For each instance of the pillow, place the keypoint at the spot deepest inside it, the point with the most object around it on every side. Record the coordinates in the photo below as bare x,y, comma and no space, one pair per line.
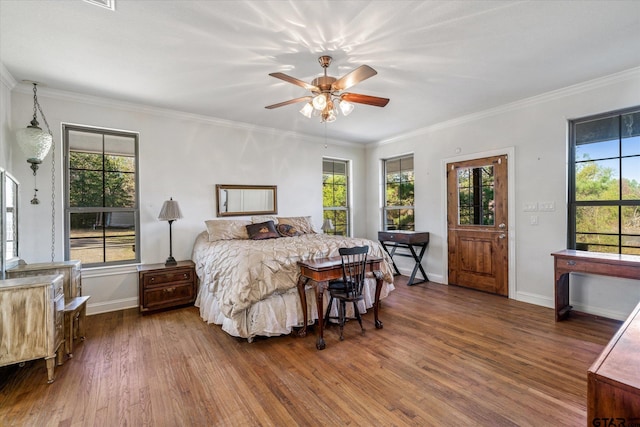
264,218
229,229
263,230
301,223
286,230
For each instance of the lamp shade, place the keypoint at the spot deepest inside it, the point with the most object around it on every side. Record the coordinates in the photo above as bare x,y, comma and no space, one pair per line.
170,211
34,142
327,225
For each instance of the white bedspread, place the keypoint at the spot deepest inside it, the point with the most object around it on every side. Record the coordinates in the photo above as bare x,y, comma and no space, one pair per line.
249,286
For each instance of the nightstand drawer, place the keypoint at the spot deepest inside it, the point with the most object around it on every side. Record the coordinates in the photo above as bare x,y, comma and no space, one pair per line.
164,277
168,296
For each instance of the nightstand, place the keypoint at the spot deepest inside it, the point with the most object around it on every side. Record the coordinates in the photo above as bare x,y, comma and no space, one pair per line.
163,286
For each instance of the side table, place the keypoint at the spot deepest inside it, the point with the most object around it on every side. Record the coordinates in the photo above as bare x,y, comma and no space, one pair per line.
409,240
166,286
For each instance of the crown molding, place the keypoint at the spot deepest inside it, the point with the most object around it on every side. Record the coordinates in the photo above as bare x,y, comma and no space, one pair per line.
6,78
633,73
97,101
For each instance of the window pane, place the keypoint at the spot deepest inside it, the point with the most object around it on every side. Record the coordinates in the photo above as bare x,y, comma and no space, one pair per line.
119,190
120,246
631,178
605,129
597,243
597,180
598,150
85,188
335,194
597,219
630,129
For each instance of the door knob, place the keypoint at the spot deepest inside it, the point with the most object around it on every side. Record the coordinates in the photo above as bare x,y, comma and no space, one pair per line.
502,225
502,236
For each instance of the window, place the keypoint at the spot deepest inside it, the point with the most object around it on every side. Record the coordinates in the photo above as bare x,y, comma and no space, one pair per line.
604,183
335,195
398,208
101,198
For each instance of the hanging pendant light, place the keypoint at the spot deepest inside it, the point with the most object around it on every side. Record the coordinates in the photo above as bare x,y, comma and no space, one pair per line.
33,141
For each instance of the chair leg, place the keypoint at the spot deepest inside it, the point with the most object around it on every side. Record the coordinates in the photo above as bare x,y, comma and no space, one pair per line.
343,317
357,312
326,315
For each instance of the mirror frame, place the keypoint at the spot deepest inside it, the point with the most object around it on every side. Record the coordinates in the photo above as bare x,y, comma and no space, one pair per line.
221,187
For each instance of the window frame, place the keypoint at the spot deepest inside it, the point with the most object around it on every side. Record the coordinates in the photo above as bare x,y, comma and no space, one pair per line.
68,210
573,204
333,209
385,207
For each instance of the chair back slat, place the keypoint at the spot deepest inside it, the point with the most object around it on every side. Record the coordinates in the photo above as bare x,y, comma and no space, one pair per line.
354,264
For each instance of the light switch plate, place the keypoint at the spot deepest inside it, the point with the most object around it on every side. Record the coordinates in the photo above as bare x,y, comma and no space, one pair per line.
547,206
530,206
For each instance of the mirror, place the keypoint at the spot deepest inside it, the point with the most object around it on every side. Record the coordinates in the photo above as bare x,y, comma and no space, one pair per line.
237,200
8,220
476,205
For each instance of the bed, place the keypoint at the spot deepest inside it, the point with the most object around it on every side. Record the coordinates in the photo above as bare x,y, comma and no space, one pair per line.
248,283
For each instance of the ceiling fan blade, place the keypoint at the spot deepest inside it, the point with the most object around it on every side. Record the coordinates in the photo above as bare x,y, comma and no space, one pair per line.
361,73
365,99
291,101
295,81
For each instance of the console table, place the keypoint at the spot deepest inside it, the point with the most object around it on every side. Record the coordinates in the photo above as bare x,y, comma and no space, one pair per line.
409,240
572,261
320,271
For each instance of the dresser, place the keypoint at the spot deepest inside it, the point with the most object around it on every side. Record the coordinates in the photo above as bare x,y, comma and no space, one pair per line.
75,304
162,286
31,320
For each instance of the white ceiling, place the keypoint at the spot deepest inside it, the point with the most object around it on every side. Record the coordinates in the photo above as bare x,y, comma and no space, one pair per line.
436,60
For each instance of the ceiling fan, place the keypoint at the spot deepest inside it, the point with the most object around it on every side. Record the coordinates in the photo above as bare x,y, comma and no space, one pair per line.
327,92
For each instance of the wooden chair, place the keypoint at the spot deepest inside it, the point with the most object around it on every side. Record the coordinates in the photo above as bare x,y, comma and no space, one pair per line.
349,289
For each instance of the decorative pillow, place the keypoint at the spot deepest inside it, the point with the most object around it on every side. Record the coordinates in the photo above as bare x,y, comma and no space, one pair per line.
302,224
264,218
231,229
286,230
263,230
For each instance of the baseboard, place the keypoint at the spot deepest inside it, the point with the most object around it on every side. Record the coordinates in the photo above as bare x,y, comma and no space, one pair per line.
436,278
535,299
115,305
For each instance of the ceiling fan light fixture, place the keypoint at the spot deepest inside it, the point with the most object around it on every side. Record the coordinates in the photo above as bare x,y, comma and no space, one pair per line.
346,107
320,102
307,110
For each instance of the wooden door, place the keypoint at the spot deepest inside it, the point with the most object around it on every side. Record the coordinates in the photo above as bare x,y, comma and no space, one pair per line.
478,230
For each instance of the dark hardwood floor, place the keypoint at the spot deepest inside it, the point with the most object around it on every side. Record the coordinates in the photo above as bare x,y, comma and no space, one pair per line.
446,356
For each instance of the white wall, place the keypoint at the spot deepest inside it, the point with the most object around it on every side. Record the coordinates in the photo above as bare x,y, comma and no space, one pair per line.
6,84
537,129
181,156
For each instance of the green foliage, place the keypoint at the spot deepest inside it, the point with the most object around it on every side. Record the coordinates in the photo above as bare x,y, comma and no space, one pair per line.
101,181
602,224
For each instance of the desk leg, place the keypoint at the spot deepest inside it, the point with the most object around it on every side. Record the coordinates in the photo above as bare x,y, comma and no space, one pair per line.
320,287
397,272
302,282
562,296
376,302
418,259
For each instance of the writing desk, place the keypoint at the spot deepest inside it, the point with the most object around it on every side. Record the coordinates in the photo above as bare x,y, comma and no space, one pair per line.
571,261
409,240
319,272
